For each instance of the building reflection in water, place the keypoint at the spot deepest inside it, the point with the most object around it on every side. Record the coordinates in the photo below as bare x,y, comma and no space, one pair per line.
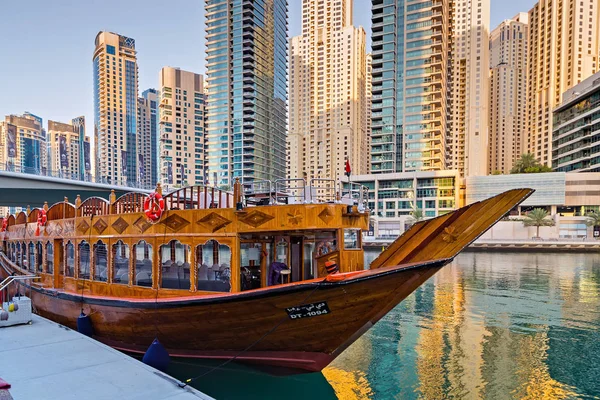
490,325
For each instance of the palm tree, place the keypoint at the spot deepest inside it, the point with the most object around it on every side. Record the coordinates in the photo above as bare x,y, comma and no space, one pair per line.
525,161
593,219
416,215
538,217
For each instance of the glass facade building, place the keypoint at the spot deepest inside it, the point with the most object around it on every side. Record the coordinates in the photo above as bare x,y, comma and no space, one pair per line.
247,89
394,196
23,146
576,134
115,108
410,42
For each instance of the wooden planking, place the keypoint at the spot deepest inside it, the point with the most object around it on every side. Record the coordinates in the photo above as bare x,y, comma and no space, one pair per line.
466,224
400,247
237,324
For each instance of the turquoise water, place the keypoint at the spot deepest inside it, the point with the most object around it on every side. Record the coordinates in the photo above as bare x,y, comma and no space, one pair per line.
490,325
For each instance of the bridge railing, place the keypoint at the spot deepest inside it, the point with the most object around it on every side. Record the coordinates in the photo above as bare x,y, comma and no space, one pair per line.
9,167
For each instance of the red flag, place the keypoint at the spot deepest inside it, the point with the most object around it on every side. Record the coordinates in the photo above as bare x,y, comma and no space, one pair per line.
348,169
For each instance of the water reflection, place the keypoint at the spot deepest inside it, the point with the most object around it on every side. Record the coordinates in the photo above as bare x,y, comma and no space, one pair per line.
490,325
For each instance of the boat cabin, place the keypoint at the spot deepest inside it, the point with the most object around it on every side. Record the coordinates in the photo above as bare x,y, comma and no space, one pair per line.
205,240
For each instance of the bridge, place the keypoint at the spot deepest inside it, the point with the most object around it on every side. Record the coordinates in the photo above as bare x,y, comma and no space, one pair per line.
18,189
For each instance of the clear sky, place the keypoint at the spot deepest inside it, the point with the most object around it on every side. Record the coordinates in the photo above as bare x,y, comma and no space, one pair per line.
46,46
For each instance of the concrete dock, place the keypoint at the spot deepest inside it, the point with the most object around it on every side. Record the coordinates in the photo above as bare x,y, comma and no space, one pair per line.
45,360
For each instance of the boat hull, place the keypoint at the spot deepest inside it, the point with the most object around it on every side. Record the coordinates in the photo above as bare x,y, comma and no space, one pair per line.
251,326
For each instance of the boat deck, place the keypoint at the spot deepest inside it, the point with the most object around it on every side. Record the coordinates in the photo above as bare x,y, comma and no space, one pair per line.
45,360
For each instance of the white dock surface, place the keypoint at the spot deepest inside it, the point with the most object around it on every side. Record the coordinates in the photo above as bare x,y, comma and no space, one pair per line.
47,361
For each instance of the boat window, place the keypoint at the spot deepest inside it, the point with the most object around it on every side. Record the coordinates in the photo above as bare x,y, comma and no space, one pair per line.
14,253
175,268
70,262
49,258
84,260
100,262
31,254
143,263
251,261
309,269
351,239
40,255
213,261
23,261
120,253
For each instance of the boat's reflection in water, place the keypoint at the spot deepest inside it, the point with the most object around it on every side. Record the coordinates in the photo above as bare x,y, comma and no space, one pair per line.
239,381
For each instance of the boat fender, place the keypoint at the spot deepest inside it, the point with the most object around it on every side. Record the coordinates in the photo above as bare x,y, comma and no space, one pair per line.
84,325
3,315
12,307
157,356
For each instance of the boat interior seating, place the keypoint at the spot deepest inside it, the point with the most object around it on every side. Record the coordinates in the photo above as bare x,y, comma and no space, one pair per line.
175,275
214,278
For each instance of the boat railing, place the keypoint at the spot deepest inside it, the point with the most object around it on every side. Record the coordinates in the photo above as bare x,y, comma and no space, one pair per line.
13,278
129,203
291,191
323,190
4,285
353,193
257,191
198,198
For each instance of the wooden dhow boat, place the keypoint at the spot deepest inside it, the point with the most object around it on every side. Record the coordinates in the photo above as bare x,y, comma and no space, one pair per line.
221,275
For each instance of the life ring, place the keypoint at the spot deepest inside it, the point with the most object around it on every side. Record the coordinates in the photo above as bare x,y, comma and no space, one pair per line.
42,219
154,205
4,224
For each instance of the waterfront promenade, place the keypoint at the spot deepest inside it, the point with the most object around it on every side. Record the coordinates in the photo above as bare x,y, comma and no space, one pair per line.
532,245
45,360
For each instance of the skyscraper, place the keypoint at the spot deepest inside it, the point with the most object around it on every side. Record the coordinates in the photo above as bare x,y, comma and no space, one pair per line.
144,143
369,90
22,144
69,149
150,97
564,50
469,87
247,89
115,108
328,104
508,93
182,128
410,47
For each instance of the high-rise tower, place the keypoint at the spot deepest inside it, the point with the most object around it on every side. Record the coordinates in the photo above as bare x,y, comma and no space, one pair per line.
328,102
23,144
508,93
469,88
564,50
150,103
411,42
247,89
182,128
115,108
69,149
